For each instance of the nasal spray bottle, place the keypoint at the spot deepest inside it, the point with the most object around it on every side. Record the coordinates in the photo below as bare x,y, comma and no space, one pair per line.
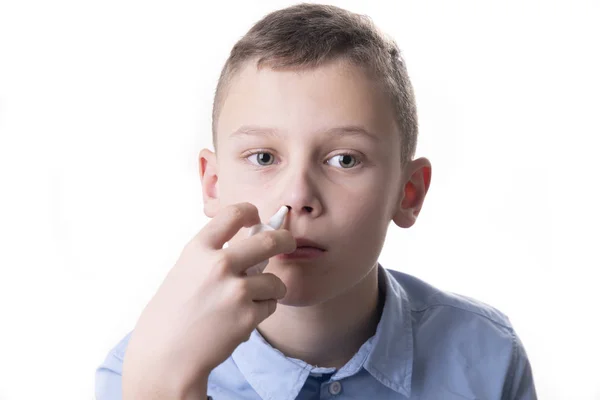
275,222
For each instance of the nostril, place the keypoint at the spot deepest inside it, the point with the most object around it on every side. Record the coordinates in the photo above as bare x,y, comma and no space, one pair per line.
305,208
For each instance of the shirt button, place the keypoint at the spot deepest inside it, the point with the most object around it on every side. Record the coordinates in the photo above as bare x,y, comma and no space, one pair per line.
335,388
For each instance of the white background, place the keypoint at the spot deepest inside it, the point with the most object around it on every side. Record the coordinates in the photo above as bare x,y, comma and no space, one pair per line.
105,105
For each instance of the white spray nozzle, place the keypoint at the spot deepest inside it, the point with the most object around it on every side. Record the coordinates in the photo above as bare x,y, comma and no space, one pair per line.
275,222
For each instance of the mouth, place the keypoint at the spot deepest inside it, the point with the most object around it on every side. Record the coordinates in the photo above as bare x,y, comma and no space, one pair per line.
303,243
306,249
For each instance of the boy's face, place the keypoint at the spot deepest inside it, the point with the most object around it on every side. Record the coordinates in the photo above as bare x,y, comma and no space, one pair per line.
323,141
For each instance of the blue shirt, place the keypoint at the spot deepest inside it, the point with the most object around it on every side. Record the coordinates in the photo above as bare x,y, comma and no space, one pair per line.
429,345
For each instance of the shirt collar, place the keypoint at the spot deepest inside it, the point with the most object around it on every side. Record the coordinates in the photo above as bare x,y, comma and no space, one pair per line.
387,356
270,373
391,359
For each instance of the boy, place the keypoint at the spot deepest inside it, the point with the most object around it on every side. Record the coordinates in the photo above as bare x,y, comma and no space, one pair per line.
314,110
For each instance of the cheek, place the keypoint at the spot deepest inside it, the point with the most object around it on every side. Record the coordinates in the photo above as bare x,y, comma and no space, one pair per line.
364,220
370,200
236,186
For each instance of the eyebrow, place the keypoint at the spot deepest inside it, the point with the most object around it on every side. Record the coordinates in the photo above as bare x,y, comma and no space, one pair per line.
339,131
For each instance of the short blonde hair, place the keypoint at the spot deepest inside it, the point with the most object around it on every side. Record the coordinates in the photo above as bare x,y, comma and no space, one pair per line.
309,35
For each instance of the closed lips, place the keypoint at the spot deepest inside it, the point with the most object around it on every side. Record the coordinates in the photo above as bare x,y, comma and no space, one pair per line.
302,242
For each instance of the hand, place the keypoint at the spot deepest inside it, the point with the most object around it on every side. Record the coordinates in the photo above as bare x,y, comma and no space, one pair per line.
204,309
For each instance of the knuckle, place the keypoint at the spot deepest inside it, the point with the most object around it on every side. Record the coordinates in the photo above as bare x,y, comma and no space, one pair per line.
222,264
242,288
268,241
236,212
238,291
249,207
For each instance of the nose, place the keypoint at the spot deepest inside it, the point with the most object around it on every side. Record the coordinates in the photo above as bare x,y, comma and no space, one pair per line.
301,194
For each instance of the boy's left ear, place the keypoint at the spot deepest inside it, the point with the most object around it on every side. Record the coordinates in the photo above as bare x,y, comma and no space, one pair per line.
415,184
209,176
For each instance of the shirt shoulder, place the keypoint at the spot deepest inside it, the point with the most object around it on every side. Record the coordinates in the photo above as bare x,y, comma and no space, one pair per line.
460,342
422,296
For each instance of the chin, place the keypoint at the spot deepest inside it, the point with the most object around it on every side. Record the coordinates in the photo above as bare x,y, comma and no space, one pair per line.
299,300
304,287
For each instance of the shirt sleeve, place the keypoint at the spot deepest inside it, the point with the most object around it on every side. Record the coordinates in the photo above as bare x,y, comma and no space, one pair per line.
519,384
108,375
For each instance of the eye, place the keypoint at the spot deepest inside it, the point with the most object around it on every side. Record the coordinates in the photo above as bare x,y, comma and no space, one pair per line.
344,161
261,158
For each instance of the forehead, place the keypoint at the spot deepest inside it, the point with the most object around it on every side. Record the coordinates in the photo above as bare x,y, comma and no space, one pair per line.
298,101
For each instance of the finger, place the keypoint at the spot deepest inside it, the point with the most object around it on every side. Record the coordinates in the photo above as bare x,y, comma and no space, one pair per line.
265,287
260,247
264,309
227,223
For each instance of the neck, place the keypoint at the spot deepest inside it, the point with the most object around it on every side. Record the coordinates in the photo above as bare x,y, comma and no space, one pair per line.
330,333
